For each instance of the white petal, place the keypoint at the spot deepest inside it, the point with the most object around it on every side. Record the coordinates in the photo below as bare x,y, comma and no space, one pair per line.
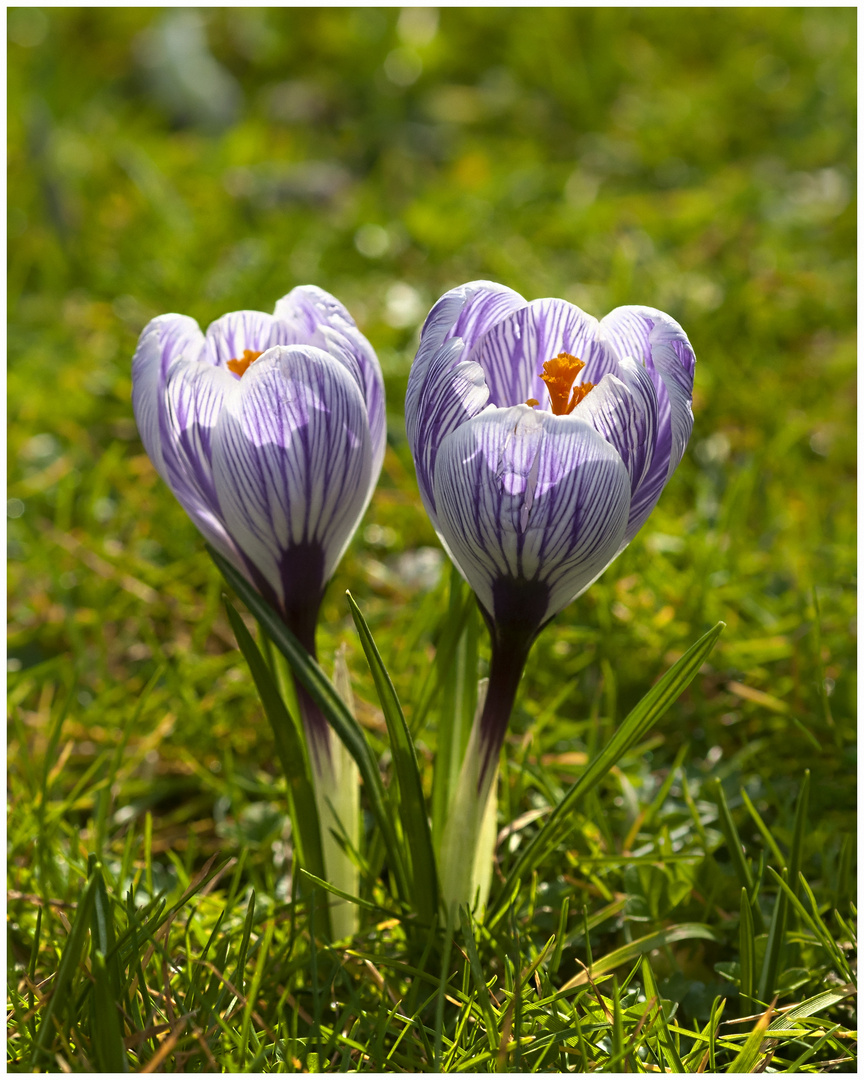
292,460
528,497
656,341
162,341
452,393
464,314
229,336
623,409
320,319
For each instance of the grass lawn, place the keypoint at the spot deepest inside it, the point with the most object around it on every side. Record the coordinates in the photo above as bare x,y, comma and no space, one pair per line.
701,161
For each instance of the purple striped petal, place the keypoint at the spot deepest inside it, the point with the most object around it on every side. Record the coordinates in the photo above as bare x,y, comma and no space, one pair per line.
443,391
292,467
195,395
453,393
227,338
658,343
169,350
163,340
623,409
463,314
307,308
530,499
319,319
512,353
486,304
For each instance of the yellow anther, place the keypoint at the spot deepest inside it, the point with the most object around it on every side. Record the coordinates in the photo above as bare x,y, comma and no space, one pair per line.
239,366
559,374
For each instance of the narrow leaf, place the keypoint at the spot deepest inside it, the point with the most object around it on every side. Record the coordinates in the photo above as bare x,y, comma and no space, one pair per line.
289,747
637,724
733,840
798,832
763,829
814,921
635,949
325,696
477,977
651,991
773,949
72,951
342,895
107,1035
749,1052
456,672
415,823
812,1006
102,928
746,947
461,606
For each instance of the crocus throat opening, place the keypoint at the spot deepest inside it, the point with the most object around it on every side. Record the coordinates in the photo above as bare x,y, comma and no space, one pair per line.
559,374
239,366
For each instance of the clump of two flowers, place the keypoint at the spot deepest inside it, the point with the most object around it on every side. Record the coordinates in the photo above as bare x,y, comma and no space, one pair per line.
542,440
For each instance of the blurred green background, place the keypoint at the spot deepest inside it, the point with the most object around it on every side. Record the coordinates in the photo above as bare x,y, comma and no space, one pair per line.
701,161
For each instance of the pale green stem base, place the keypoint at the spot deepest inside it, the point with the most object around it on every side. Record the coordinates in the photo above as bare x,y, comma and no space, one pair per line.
337,797
468,841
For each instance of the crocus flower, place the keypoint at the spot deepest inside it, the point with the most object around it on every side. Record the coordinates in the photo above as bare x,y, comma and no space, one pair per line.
542,440
270,431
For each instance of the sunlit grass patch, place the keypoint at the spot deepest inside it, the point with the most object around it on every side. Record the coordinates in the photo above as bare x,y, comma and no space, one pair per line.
700,909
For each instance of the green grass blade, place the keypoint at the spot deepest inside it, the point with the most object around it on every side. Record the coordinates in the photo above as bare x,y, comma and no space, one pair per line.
811,1007
72,952
748,1055
763,829
415,821
106,1033
31,969
713,1027
252,995
842,876
456,673
102,928
733,840
342,895
774,947
239,971
563,915
635,726
626,954
462,604
814,921
668,1043
441,992
332,706
795,1067
477,978
289,746
798,832
746,947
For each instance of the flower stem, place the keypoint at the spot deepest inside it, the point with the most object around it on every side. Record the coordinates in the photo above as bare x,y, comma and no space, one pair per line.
509,653
467,844
302,621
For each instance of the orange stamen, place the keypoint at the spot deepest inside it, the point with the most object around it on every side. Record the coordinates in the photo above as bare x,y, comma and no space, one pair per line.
559,374
239,366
